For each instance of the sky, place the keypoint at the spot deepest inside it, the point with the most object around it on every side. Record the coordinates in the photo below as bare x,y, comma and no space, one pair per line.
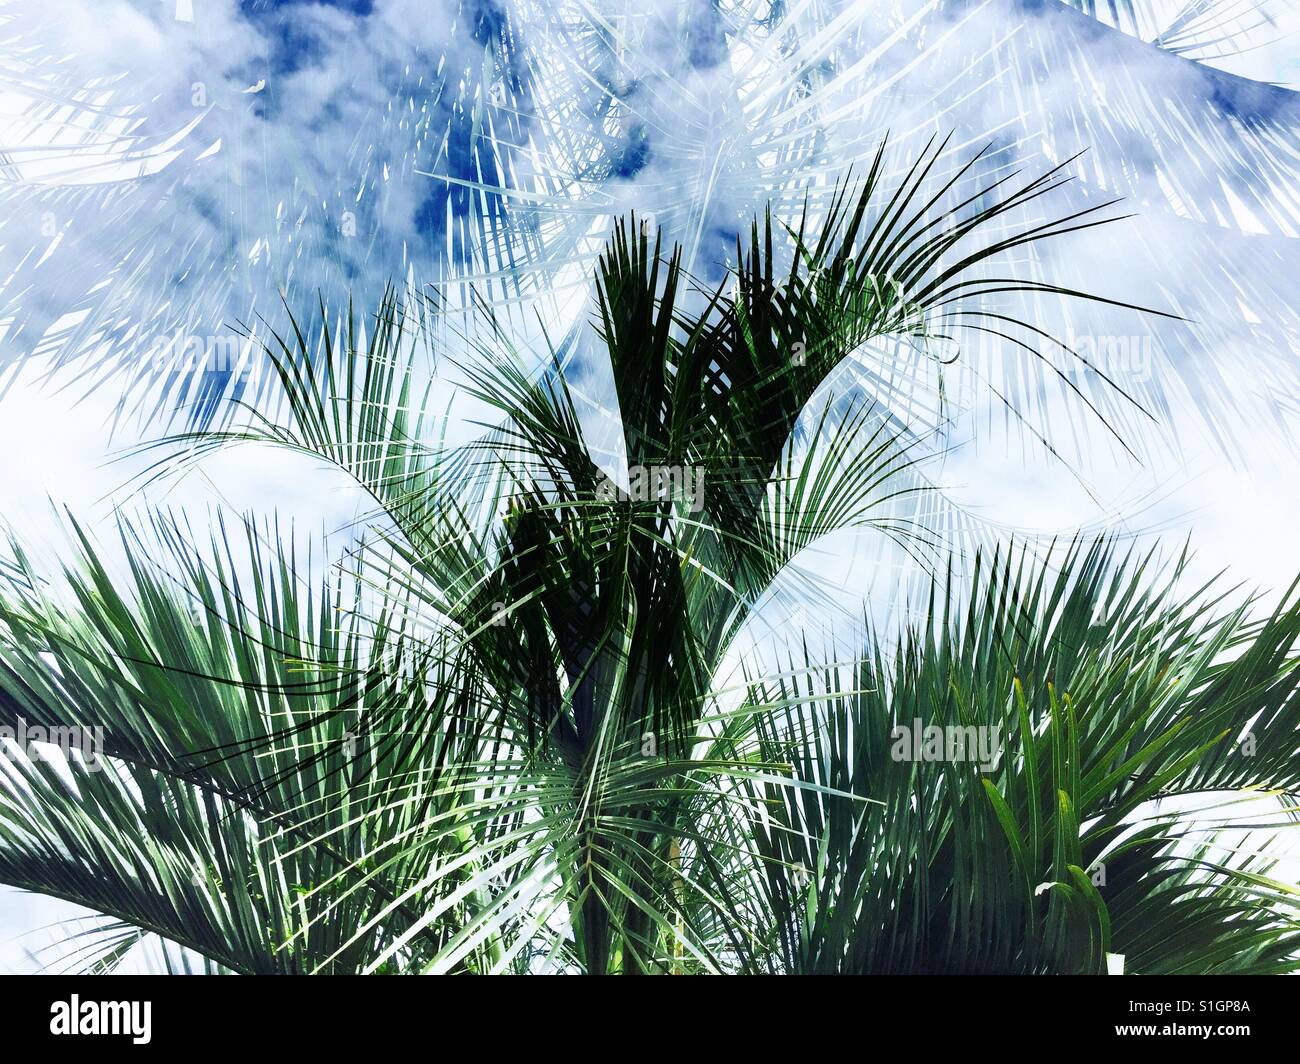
172,169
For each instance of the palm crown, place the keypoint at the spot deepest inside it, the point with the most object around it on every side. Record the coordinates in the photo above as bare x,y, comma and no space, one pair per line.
515,729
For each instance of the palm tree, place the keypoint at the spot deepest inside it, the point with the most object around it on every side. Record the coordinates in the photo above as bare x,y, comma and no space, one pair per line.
518,727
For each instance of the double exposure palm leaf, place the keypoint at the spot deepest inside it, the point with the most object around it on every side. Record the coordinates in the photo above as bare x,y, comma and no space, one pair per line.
496,151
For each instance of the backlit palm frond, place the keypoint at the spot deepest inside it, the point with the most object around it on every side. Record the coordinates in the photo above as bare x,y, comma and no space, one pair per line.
255,730
1098,692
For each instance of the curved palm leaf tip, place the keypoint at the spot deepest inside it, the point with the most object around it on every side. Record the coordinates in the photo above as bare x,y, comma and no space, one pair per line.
501,741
